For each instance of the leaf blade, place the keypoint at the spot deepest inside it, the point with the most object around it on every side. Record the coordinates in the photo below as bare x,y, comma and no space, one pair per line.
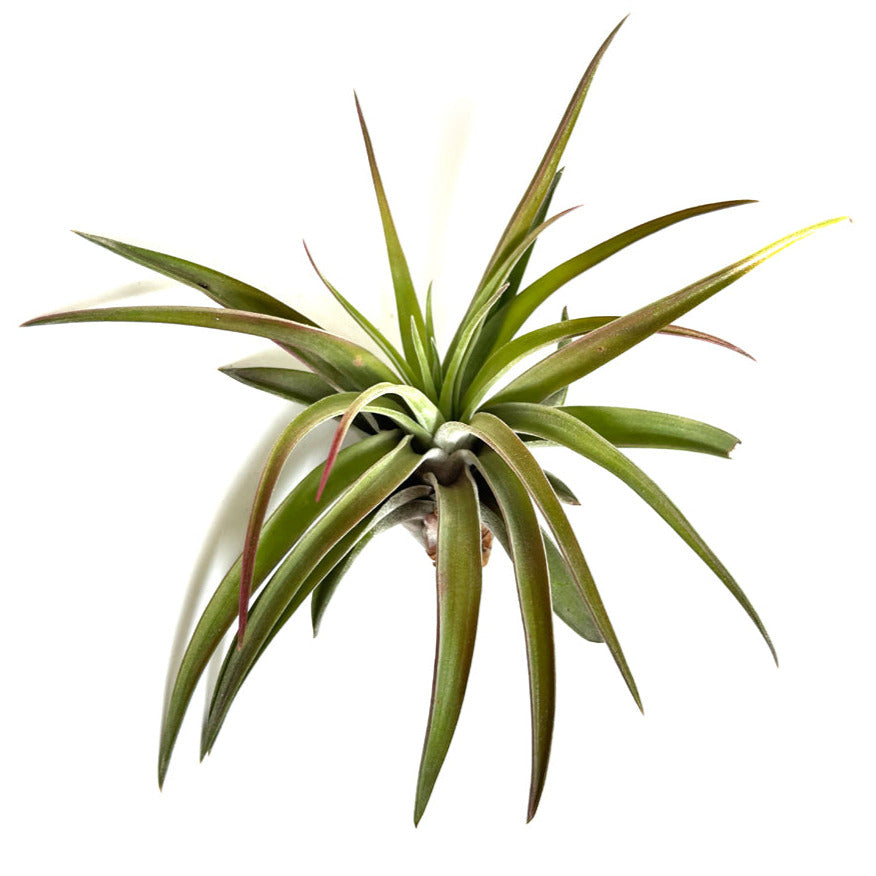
349,365
534,597
604,344
223,289
458,584
407,305
525,304
495,433
291,518
557,425
360,499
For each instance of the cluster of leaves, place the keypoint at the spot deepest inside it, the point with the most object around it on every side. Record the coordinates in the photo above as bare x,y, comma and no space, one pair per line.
442,452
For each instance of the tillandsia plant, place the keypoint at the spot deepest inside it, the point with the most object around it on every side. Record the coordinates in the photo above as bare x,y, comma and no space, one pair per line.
444,449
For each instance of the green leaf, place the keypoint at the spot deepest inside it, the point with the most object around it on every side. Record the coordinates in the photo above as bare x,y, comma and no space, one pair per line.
428,417
283,528
515,278
405,296
559,426
559,397
367,326
497,435
221,288
458,582
302,387
362,497
317,413
603,344
566,599
424,366
564,494
534,595
398,508
524,305
345,364
385,518
522,219
630,427
514,351
490,293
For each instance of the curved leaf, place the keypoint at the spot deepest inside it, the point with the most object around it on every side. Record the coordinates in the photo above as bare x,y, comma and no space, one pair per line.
566,600
514,351
428,417
283,528
325,590
362,497
498,436
630,427
221,288
557,425
318,412
603,344
525,304
303,387
366,325
346,364
458,583
534,595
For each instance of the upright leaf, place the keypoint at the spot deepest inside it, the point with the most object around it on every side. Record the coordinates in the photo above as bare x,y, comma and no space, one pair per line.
523,306
405,296
522,218
604,344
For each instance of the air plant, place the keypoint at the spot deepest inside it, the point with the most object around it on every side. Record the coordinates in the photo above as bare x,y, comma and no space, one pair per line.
444,448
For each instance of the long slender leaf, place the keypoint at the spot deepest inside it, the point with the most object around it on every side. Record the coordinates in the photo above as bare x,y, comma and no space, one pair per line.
366,325
362,497
524,305
514,351
603,344
328,585
424,366
398,508
496,434
348,365
489,294
221,288
631,427
534,595
564,493
303,387
428,417
405,296
559,426
522,218
566,599
458,583
318,412
283,528
515,278
486,338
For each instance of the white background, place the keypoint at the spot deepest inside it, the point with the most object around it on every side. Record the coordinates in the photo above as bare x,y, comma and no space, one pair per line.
225,136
